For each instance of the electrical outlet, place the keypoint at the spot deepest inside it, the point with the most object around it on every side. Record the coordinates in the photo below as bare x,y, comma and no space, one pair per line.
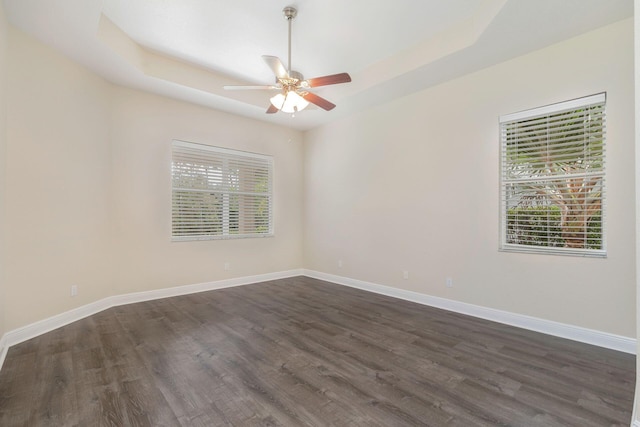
449,282
405,274
227,266
339,263
74,290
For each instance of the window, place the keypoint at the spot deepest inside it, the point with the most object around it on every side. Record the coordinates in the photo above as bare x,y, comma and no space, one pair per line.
219,193
552,178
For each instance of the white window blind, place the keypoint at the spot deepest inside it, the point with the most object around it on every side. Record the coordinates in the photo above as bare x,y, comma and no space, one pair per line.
553,178
219,193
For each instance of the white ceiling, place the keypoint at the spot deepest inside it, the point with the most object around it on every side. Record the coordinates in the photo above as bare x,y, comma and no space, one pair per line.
189,49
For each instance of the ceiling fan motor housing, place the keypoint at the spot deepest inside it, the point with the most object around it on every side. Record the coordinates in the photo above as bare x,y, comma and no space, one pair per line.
296,75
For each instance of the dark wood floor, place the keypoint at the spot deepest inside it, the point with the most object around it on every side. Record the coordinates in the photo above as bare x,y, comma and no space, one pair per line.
299,352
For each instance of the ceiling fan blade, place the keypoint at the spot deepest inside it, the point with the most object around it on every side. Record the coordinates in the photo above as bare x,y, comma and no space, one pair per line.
332,79
272,109
318,100
264,87
276,66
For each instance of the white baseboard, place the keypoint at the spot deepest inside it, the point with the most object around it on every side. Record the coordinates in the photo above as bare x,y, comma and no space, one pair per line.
25,333
3,349
602,339
636,423
575,333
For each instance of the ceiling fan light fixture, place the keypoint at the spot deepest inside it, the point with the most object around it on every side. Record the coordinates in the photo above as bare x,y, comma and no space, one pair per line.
289,103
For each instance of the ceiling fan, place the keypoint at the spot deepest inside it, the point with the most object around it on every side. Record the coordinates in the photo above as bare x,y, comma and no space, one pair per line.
294,95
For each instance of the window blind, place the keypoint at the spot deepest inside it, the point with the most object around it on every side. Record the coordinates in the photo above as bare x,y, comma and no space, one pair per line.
553,178
220,193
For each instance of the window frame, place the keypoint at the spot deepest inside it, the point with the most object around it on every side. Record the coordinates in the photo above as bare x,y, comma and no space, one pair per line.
593,101
225,156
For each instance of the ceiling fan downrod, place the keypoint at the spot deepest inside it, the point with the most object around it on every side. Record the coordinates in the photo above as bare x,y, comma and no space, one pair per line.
289,13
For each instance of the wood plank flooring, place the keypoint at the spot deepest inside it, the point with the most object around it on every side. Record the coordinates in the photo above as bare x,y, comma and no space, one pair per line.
302,352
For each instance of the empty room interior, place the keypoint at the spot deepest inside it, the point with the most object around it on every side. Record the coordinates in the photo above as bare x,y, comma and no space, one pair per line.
319,213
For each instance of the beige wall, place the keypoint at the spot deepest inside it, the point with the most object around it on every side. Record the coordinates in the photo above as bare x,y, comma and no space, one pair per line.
3,144
413,185
58,172
142,129
88,197
636,11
